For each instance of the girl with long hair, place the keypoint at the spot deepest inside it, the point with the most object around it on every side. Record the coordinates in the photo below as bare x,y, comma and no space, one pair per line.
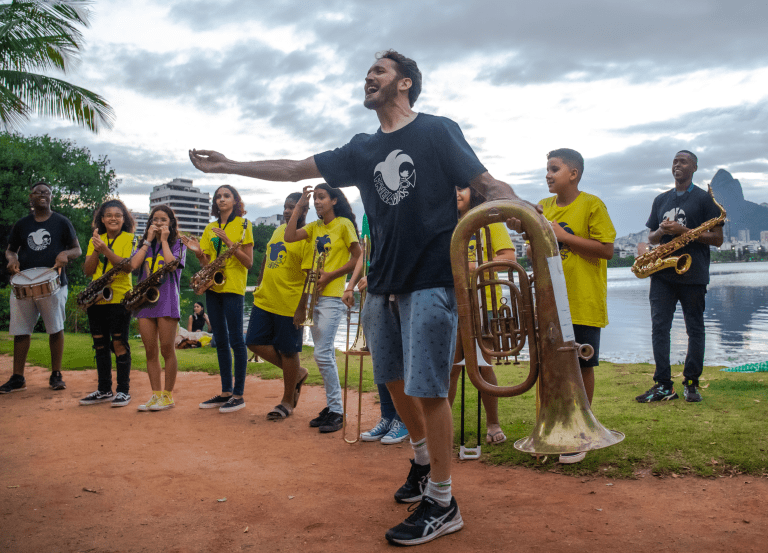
225,301
467,199
198,319
335,235
157,322
110,245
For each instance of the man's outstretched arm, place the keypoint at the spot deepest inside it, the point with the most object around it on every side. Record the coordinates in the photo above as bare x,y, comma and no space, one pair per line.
281,170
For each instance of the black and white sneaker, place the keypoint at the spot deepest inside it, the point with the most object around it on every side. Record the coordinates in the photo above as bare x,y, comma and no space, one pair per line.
97,397
121,399
428,521
232,404
215,402
319,420
415,484
659,392
15,384
690,392
55,381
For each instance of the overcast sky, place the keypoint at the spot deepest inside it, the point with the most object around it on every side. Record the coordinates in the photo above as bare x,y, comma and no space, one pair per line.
627,84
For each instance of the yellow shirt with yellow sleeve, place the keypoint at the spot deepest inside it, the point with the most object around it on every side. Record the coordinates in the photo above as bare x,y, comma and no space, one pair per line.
335,238
235,272
586,278
122,246
500,240
283,280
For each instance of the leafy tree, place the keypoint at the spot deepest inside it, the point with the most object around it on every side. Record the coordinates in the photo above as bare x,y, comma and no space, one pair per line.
37,36
80,184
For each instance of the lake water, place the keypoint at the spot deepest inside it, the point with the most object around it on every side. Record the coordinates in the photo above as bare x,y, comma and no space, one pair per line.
736,318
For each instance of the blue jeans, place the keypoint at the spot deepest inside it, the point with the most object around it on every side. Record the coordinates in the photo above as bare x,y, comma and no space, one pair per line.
225,311
327,316
664,297
388,410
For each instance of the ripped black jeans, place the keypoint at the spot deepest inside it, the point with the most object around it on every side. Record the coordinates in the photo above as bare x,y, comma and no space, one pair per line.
109,324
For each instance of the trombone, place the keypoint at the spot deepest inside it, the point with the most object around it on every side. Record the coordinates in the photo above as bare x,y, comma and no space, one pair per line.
358,348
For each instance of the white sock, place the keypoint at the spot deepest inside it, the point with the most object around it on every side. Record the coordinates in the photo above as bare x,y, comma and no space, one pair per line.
440,492
420,452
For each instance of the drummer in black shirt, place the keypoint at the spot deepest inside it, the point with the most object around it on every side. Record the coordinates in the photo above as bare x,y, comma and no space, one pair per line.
42,239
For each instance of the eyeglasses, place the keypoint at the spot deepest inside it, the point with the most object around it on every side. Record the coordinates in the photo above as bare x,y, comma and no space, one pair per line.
113,216
38,193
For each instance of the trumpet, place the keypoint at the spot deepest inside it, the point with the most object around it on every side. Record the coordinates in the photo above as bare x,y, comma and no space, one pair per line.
564,421
358,348
310,292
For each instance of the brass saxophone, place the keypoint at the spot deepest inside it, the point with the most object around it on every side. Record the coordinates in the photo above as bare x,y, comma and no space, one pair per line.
213,273
99,289
659,258
147,290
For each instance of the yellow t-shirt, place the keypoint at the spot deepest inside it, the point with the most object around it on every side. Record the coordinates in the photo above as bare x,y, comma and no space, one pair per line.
586,279
335,238
235,272
500,240
122,246
283,280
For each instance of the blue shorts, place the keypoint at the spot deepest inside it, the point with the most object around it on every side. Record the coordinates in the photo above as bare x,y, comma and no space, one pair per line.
588,335
268,329
412,337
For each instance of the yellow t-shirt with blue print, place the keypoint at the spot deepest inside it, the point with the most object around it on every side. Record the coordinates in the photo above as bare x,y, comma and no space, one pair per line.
235,272
586,278
283,280
500,240
122,246
335,238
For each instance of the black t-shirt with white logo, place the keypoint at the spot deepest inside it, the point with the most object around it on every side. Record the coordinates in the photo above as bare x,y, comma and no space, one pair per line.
407,181
38,243
691,209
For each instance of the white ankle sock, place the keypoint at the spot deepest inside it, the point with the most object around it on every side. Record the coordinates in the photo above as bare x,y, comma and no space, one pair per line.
420,452
440,492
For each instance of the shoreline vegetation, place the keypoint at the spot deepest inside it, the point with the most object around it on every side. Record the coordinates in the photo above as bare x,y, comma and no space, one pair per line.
723,436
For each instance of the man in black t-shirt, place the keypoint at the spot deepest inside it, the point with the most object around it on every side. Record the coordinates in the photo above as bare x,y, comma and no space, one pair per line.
406,172
42,239
673,213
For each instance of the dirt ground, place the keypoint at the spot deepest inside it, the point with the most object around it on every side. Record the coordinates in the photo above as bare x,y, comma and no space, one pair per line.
100,479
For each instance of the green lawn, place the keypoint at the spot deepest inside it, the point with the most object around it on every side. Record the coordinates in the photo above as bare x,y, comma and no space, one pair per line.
725,434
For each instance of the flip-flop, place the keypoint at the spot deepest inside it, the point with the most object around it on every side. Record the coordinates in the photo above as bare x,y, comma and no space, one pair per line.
278,413
297,393
491,438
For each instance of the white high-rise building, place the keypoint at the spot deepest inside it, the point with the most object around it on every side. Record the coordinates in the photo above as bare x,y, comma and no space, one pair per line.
141,222
192,207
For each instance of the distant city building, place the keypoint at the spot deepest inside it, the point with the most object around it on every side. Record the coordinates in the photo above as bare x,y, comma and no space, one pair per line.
141,222
744,235
191,206
271,220
764,236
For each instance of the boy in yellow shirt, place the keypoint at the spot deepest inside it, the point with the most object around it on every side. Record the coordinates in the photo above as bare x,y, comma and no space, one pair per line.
585,236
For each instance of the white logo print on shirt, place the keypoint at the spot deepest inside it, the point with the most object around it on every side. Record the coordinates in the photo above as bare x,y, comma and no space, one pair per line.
39,240
675,214
393,176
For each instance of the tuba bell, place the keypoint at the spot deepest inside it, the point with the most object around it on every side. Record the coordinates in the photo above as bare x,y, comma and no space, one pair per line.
564,421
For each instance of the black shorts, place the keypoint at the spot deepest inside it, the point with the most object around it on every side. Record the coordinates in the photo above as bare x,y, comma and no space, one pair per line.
588,335
269,329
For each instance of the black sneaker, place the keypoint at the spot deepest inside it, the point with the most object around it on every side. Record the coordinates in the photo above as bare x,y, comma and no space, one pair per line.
428,521
320,419
121,399
97,397
55,382
215,402
690,392
16,383
659,392
232,404
415,484
332,423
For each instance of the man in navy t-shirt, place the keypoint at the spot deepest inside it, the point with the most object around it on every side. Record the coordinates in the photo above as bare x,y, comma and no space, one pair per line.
407,172
674,212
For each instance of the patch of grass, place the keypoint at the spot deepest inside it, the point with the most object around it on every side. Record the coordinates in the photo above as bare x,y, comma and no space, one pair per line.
724,434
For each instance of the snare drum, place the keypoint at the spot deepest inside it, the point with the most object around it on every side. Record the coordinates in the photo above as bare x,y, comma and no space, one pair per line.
35,283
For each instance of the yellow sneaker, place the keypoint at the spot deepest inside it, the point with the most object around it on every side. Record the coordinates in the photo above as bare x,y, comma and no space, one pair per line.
165,402
148,405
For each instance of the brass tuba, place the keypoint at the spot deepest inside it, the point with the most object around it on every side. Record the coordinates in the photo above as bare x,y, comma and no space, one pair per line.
660,257
564,421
